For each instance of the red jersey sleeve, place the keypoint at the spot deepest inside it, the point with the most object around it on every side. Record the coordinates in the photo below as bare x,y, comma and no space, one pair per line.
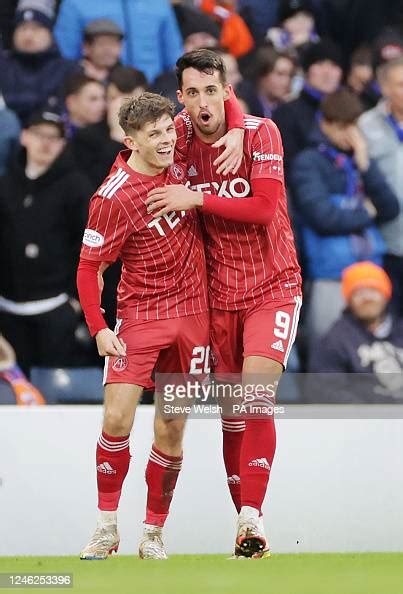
107,229
267,152
233,112
90,298
257,209
184,133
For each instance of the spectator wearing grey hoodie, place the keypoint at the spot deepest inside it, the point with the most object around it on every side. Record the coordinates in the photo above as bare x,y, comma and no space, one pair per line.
382,127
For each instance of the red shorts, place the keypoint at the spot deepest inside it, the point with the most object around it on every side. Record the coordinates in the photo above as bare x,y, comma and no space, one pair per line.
267,330
178,345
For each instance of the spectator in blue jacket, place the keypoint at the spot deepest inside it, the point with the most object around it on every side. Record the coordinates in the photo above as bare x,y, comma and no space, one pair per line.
152,41
33,72
340,196
367,340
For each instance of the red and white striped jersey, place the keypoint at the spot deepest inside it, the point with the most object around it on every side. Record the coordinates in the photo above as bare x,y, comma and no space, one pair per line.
164,270
246,263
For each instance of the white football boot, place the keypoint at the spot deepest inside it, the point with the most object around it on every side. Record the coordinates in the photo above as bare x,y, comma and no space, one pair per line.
104,541
151,544
251,541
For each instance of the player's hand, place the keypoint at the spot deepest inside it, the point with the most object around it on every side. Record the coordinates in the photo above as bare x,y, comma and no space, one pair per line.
230,160
160,201
109,344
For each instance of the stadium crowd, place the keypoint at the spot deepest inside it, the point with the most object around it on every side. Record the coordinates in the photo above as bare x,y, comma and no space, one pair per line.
330,75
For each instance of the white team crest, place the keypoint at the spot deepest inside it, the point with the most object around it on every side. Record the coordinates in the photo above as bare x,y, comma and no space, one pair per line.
177,172
120,364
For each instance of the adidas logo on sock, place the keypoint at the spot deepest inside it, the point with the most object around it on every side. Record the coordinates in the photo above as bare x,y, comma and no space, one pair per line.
261,462
233,480
278,346
106,468
192,171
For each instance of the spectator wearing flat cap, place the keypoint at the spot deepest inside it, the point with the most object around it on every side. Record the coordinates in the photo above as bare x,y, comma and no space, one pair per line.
33,71
101,48
43,208
360,359
321,63
152,41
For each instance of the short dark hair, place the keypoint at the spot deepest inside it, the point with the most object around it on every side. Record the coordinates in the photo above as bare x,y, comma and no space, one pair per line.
149,107
126,78
75,82
266,59
363,55
341,106
203,60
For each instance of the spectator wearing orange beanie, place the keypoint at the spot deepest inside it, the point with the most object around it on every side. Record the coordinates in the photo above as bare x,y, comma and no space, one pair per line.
364,348
235,35
365,275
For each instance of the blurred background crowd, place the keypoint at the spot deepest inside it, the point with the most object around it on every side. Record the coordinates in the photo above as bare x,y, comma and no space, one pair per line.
328,72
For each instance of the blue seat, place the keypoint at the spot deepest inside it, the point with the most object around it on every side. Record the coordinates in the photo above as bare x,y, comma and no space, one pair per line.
78,385
7,395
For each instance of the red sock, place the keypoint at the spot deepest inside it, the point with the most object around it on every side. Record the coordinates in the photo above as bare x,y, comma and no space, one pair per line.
113,458
257,453
161,475
232,434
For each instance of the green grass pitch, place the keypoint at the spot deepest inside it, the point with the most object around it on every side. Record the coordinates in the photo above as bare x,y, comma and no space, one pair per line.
213,574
